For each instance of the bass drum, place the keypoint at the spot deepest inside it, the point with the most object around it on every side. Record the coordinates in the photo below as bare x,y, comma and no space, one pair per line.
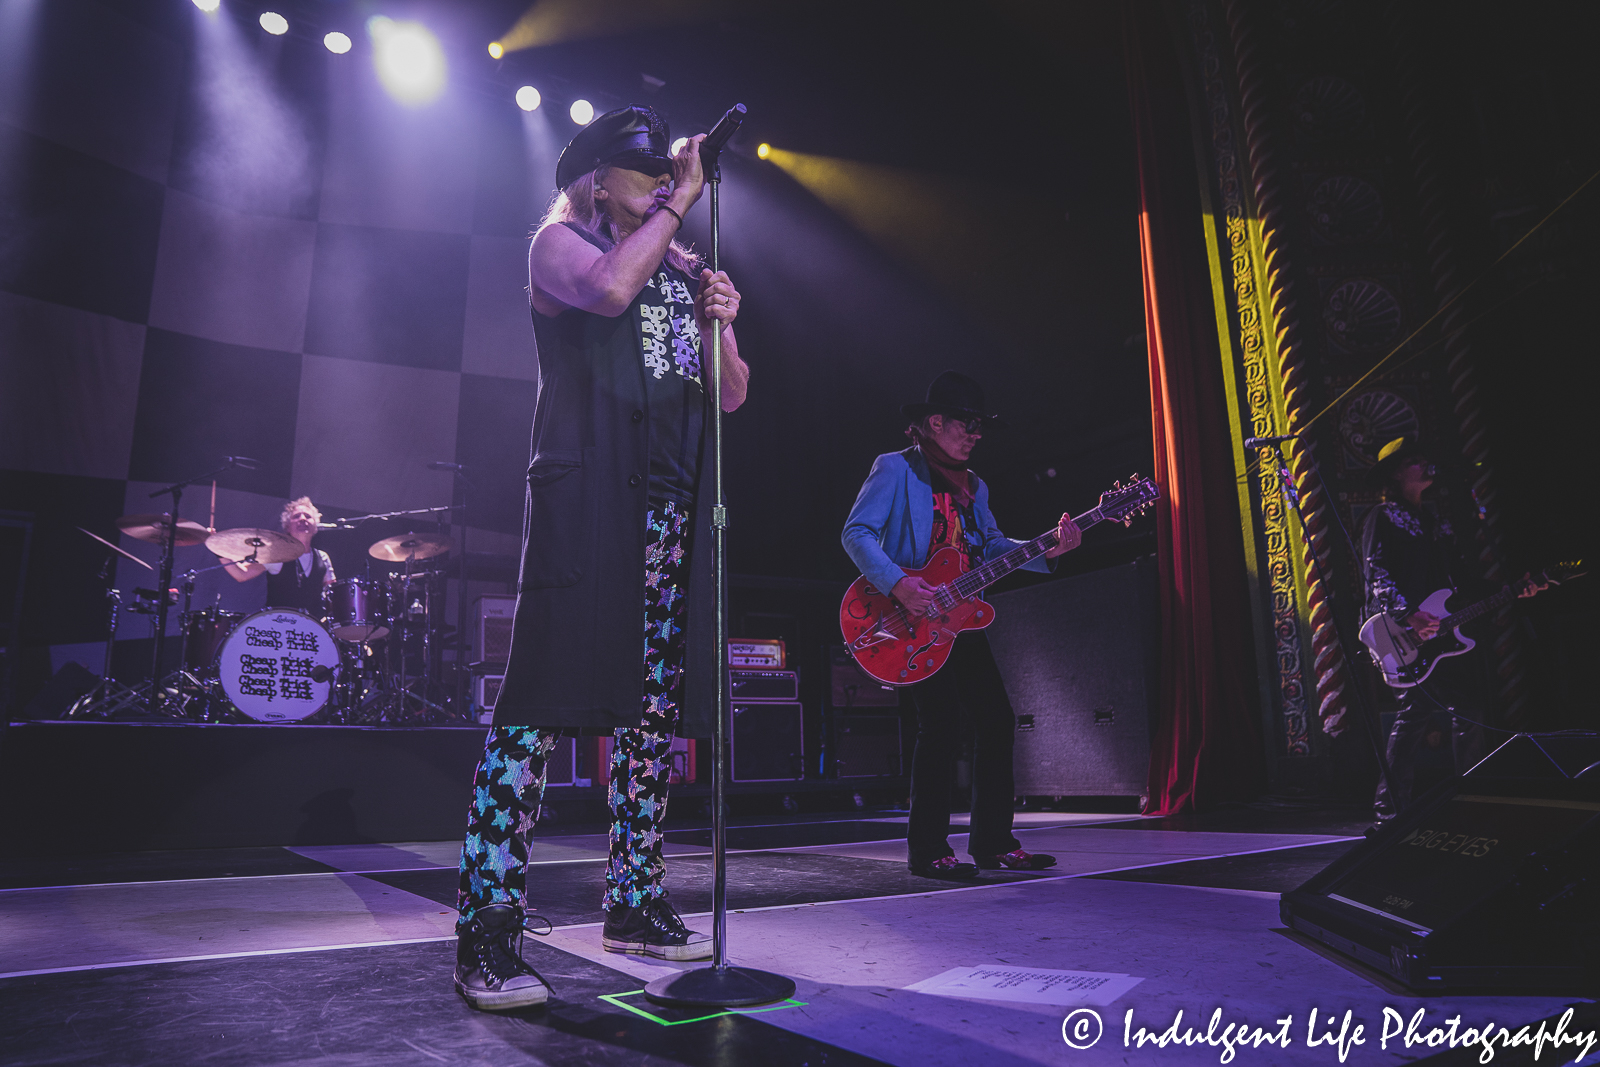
268,665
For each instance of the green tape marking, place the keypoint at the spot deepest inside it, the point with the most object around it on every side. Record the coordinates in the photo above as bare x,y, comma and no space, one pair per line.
615,999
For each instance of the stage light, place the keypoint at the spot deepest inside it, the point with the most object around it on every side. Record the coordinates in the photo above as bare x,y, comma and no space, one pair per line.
208,6
763,151
582,112
409,59
528,98
274,23
496,51
677,146
337,43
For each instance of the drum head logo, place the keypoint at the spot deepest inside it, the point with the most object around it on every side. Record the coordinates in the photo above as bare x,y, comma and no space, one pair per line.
266,666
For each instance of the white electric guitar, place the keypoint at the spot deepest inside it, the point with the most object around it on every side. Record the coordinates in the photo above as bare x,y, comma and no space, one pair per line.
1406,659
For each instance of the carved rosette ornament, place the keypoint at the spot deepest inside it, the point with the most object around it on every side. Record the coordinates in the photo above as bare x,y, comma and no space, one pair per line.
1269,182
1256,345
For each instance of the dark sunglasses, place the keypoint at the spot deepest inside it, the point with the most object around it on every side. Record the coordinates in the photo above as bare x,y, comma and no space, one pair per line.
972,424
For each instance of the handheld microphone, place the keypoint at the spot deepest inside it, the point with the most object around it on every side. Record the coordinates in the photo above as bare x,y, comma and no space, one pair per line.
440,465
242,462
722,132
1262,442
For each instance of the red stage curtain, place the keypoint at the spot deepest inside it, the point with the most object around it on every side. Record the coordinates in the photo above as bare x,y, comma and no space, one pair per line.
1207,747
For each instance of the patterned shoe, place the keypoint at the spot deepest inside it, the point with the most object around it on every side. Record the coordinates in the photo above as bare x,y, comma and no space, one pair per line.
1016,861
491,974
653,929
947,867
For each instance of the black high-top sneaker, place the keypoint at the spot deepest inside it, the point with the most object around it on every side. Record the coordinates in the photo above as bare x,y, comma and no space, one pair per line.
491,974
653,929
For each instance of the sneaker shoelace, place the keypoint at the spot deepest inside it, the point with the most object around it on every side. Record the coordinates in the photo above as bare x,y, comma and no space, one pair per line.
664,917
499,962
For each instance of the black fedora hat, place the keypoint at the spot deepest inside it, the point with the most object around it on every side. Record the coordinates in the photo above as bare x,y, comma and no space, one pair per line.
1394,455
634,137
951,393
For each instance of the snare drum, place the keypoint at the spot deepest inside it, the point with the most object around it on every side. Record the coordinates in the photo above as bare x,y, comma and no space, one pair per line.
358,610
203,634
268,664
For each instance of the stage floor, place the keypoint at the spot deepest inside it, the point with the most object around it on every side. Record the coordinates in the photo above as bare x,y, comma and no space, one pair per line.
342,955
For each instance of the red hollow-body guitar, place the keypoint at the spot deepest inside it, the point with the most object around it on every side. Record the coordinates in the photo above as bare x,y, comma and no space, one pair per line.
898,648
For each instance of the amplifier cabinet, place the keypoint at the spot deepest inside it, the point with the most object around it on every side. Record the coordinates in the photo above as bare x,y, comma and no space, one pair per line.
488,691
750,686
493,614
867,746
768,742
852,687
562,766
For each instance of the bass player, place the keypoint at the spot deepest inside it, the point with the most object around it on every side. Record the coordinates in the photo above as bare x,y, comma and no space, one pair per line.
1408,551
912,504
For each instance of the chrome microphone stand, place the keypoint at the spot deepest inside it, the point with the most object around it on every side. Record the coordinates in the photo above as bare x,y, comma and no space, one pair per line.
719,985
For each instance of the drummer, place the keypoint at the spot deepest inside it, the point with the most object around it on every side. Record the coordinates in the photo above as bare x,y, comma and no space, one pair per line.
302,583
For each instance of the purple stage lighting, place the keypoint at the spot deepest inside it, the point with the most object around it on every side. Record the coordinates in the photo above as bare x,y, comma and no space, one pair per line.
337,43
528,98
582,112
207,6
274,23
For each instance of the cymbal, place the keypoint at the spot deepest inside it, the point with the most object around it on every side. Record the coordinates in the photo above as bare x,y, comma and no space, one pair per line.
153,528
268,546
406,546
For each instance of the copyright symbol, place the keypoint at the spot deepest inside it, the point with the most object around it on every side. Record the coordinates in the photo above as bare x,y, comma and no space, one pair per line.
1082,1028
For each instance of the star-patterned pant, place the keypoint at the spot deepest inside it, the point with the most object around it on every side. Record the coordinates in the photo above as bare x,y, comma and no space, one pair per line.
509,783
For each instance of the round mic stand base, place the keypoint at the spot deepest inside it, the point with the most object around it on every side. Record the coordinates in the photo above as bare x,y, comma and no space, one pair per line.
719,987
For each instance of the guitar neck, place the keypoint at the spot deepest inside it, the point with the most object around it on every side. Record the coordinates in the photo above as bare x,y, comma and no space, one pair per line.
975,581
1481,608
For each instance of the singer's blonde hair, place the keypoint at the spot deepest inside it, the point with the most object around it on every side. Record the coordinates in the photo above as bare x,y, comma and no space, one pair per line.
576,204
292,506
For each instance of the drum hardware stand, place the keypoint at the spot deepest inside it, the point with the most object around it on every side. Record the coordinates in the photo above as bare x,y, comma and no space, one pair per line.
719,985
169,552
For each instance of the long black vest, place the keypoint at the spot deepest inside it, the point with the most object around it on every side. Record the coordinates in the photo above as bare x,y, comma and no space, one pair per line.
291,589
577,646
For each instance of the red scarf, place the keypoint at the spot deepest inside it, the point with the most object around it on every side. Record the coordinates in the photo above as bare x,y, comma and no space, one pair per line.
949,475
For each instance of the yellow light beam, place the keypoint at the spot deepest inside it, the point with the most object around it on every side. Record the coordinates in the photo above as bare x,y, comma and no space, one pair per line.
553,21
927,221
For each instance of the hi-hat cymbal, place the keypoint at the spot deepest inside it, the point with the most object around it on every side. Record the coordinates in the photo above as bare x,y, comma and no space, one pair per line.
410,546
153,528
267,546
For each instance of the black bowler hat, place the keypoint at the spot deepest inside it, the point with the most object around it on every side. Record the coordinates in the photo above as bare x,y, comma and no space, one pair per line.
634,137
1393,456
951,393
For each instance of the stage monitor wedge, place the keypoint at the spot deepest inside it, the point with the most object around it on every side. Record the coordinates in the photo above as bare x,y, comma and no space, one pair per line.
1486,883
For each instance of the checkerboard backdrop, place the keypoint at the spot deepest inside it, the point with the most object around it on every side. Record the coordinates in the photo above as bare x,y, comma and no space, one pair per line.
338,294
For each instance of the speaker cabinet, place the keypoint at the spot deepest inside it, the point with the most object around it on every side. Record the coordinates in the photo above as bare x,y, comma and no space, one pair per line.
1078,662
494,614
852,687
1485,883
768,743
867,746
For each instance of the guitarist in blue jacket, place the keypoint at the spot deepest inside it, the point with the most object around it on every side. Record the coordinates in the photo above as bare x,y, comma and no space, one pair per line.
912,504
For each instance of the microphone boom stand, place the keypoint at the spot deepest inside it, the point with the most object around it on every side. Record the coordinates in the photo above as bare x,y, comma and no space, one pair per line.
719,985
169,551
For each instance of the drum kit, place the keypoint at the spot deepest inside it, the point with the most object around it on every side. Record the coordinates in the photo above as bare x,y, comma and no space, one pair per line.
370,656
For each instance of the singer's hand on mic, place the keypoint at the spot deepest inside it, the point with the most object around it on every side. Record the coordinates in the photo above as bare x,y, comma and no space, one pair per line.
717,299
688,179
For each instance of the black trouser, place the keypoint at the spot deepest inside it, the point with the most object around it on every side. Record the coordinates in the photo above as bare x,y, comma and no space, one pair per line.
1456,685
966,698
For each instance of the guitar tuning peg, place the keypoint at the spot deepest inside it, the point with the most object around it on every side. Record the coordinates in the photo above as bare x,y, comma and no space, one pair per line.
1127,522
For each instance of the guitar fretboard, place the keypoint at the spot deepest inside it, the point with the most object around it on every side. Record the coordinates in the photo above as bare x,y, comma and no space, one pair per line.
1481,608
976,580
